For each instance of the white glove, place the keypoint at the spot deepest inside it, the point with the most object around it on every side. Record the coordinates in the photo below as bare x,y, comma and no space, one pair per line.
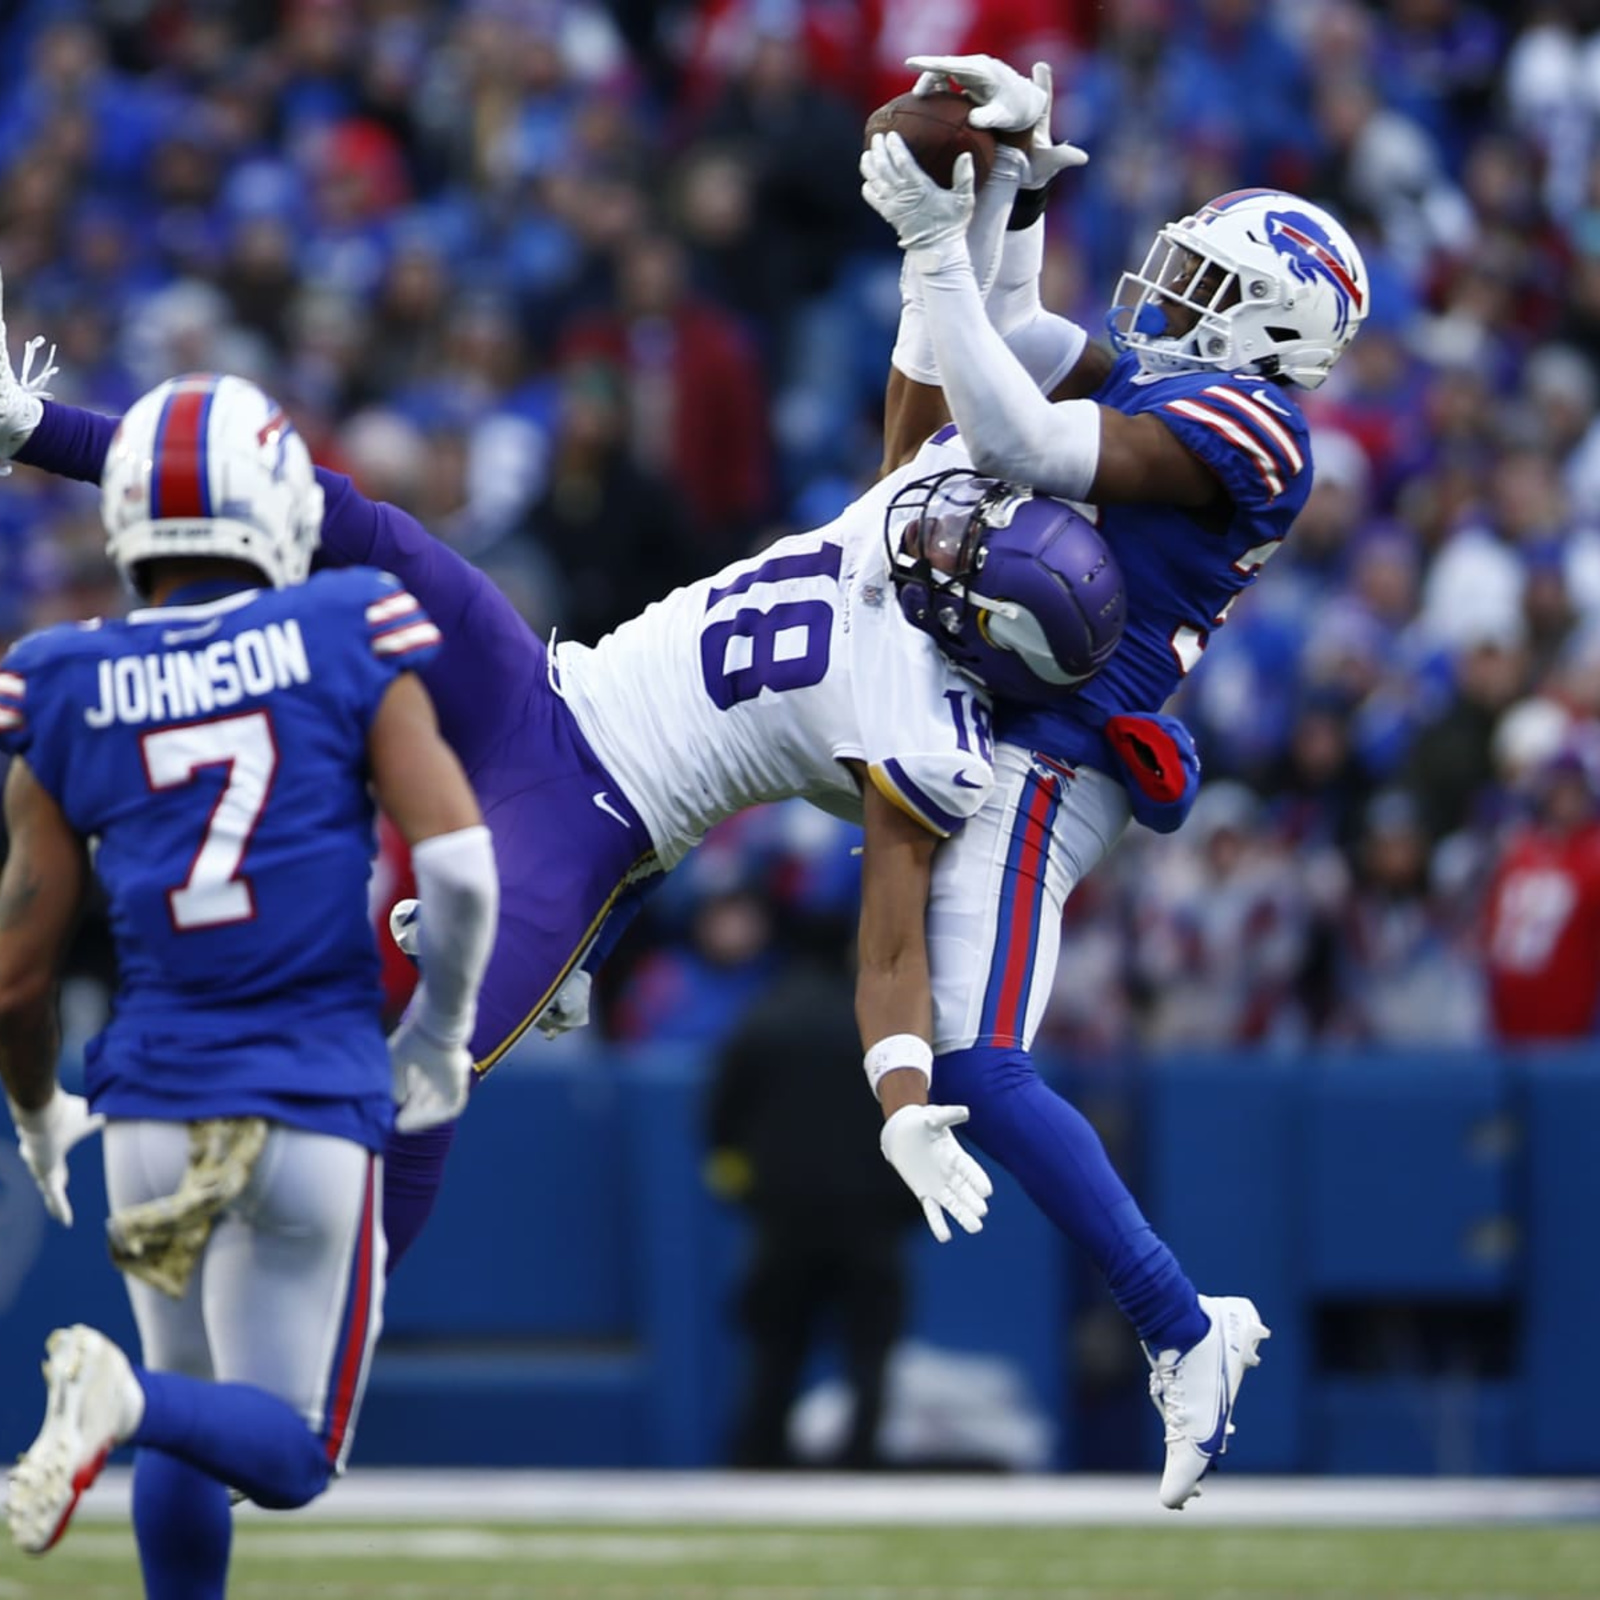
430,1078
917,1142
921,213
46,1136
21,399
1003,100
403,926
568,1007
1006,102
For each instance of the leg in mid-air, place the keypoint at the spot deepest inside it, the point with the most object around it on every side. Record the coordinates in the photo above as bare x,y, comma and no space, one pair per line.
252,1379
999,889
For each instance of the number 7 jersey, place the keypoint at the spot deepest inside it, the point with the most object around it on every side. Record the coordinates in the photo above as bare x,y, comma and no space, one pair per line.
757,684
214,756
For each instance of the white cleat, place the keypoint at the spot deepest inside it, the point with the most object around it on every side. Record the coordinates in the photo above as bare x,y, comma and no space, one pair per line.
1195,1392
90,1386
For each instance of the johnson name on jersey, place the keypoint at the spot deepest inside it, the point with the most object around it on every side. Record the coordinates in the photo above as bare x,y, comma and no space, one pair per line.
757,683
214,752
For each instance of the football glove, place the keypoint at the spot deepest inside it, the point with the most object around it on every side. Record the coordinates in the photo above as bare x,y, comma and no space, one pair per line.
917,1142
431,1078
921,212
403,927
46,1137
1005,102
21,399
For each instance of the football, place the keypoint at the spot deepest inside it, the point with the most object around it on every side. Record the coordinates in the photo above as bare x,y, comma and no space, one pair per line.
936,130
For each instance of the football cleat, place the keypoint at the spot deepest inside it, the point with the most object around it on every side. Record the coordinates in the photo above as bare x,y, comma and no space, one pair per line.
87,1414
1195,1392
21,399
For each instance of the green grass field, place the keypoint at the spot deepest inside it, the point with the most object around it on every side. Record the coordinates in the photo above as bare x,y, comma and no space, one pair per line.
418,1561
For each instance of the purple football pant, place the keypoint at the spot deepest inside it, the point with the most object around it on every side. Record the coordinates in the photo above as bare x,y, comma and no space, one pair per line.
564,861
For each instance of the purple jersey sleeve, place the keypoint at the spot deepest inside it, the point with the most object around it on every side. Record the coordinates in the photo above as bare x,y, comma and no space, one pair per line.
476,680
69,442
483,671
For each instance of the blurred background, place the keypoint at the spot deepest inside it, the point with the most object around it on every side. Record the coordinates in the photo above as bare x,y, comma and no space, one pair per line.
589,289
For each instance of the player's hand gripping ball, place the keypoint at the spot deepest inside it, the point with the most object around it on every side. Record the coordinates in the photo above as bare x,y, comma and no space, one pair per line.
936,131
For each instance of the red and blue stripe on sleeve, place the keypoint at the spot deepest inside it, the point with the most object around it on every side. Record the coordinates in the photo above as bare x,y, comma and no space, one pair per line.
1249,424
13,714
398,627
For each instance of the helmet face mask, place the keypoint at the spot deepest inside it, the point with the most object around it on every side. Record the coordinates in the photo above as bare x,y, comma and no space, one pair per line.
1017,589
209,468
1256,281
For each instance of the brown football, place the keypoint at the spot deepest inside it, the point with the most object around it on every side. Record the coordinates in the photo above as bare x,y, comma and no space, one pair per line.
936,130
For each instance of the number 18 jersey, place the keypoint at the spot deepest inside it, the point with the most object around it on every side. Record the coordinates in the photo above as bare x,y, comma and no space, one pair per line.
757,683
214,757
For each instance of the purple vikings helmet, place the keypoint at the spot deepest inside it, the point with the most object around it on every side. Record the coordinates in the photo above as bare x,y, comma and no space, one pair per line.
1018,590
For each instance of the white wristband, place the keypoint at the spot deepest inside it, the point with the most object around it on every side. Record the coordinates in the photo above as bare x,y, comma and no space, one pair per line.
898,1051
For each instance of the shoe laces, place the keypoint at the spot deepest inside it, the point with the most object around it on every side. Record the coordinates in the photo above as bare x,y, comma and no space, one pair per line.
1167,1391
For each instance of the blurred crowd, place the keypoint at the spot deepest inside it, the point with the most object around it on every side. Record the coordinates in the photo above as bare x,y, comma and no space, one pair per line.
589,288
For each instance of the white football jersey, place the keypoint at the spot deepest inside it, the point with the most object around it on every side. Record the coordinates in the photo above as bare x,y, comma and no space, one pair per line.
757,684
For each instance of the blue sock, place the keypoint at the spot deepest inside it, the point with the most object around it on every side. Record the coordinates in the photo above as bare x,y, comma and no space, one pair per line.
184,1528
233,1432
1049,1147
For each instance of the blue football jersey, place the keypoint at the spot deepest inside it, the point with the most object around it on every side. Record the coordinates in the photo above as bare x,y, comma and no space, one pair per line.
1183,568
213,754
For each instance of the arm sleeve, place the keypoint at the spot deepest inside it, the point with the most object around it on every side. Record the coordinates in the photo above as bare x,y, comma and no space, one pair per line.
460,897
485,638
1048,346
1010,429
358,532
986,244
69,442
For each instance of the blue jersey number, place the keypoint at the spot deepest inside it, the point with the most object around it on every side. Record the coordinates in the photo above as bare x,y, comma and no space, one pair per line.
780,647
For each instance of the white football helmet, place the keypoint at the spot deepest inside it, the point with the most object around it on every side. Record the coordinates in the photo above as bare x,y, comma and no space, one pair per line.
1257,280
208,465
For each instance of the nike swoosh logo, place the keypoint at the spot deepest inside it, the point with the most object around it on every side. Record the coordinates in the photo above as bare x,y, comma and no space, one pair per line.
1210,1446
189,635
601,799
964,782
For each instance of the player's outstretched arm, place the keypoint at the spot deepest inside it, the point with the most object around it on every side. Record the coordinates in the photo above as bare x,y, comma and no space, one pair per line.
1005,240
421,788
895,1013
39,893
1074,448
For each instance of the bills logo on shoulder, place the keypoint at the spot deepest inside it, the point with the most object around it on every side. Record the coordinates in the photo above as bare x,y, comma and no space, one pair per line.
1311,255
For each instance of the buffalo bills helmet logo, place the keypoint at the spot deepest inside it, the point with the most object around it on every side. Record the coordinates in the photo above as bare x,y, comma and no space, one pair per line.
1311,255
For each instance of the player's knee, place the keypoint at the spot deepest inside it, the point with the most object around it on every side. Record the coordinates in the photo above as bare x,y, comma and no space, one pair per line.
981,1074
300,1478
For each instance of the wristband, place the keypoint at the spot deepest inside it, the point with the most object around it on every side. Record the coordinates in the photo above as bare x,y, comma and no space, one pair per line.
898,1051
1028,207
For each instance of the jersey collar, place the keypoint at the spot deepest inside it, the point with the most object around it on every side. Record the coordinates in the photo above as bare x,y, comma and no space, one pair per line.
213,597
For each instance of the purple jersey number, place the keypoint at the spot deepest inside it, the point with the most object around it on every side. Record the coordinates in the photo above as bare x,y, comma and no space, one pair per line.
789,643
